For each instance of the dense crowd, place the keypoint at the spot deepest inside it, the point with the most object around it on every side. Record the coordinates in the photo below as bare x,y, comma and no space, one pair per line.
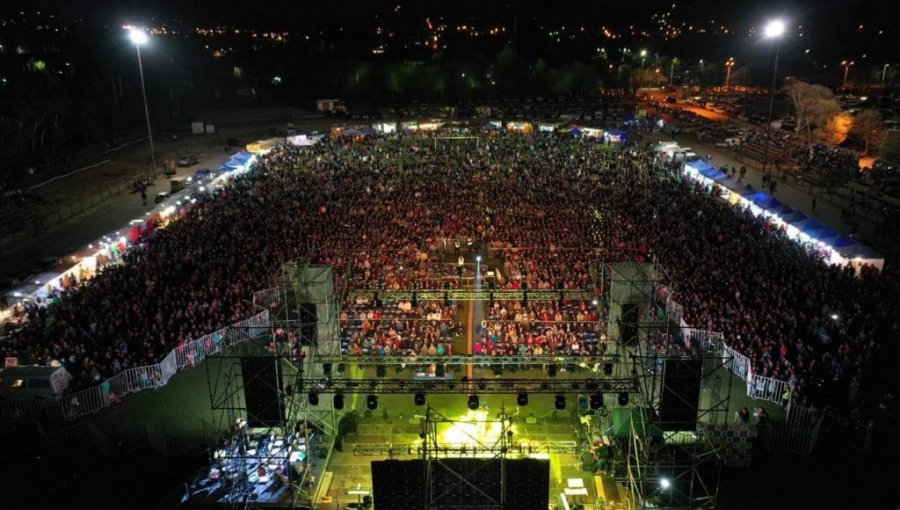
546,206
833,165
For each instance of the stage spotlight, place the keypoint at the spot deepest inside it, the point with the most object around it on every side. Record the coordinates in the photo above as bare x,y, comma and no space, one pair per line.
551,370
478,258
419,399
472,402
560,401
665,483
338,401
313,399
607,369
372,402
623,399
522,399
596,401
380,370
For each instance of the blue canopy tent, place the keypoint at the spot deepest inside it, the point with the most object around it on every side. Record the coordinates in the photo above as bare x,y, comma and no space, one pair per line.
841,242
823,233
576,132
807,225
490,125
713,173
793,217
617,135
242,156
700,165
767,202
860,251
783,210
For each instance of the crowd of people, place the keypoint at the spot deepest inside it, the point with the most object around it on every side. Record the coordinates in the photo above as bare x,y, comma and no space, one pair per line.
534,329
833,165
546,205
399,329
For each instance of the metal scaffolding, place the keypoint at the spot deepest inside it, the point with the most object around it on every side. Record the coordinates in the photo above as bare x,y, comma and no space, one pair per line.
666,468
304,325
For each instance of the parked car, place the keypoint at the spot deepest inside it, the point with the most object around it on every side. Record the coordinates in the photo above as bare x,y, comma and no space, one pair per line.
161,197
188,161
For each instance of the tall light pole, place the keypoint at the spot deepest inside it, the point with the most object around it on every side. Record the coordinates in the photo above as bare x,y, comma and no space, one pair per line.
140,38
672,70
728,65
884,72
846,64
643,57
774,30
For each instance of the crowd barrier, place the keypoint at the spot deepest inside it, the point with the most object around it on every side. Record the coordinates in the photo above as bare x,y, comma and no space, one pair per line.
758,386
137,379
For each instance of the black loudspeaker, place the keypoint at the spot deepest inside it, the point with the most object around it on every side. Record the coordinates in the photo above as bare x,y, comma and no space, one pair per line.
309,324
380,371
399,484
596,401
326,369
522,399
623,399
338,401
560,402
419,399
439,371
628,324
472,402
607,369
372,402
262,391
528,484
680,394
415,300
313,399
551,370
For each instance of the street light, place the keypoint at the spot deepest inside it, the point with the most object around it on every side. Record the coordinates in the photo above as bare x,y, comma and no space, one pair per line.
140,38
643,57
774,30
728,65
846,64
884,72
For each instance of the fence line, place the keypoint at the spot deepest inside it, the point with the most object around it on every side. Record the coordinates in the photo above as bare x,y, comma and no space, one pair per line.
137,379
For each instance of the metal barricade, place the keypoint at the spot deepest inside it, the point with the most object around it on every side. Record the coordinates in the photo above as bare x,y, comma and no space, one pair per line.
766,388
136,379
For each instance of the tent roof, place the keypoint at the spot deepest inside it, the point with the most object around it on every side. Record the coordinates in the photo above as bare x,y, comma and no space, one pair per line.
861,251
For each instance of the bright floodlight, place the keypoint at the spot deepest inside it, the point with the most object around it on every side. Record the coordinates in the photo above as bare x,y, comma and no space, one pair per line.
138,36
774,29
665,483
643,53
477,258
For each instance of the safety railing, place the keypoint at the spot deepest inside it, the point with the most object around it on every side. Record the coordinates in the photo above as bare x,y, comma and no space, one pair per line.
136,379
758,386
263,299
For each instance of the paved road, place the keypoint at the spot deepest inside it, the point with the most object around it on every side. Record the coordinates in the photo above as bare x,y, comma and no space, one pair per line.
798,196
94,202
